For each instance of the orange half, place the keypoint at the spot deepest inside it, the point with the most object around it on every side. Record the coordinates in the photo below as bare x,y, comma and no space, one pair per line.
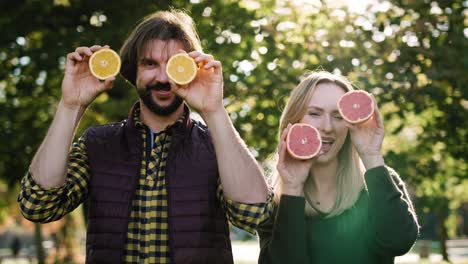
104,63
181,68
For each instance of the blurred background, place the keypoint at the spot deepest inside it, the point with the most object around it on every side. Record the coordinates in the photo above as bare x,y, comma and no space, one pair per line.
411,54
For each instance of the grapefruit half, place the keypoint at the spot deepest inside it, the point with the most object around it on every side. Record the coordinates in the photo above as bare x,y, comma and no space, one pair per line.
356,106
303,141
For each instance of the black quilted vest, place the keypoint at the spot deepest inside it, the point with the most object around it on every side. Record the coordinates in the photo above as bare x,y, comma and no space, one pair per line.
198,229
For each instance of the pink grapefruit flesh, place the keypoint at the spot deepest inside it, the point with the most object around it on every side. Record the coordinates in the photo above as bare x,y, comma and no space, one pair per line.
303,141
356,106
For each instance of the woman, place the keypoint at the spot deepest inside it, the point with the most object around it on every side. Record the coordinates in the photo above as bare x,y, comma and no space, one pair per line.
345,205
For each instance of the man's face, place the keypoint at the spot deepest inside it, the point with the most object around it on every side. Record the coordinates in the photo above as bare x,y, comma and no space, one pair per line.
152,82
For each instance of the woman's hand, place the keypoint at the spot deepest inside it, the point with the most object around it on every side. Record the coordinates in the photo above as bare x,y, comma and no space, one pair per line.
293,172
367,138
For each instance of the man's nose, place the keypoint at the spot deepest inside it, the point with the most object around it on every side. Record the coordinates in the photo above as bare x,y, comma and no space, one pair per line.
161,75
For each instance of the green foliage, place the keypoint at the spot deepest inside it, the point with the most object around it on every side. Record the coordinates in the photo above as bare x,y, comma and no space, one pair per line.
410,53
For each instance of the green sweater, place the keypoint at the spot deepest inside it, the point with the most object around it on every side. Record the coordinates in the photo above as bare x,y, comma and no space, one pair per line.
381,225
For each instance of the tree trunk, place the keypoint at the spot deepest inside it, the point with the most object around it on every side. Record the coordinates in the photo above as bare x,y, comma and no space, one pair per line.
40,254
443,234
69,239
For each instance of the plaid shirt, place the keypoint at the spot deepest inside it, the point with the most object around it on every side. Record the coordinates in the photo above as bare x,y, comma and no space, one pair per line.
147,235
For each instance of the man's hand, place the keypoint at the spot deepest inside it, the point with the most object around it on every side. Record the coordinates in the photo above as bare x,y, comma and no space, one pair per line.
205,92
79,86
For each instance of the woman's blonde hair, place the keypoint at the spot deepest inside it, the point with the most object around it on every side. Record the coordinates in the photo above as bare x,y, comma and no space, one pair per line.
350,172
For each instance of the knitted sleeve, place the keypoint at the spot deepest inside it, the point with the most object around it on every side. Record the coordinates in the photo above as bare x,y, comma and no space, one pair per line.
393,226
283,236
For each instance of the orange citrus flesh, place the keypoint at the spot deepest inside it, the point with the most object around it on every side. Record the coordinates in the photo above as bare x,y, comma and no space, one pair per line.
104,63
181,68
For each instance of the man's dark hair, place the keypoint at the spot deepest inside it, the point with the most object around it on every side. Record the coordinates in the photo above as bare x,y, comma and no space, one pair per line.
162,25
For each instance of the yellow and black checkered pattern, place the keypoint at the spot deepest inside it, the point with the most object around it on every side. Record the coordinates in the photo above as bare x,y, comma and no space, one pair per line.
148,229
147,237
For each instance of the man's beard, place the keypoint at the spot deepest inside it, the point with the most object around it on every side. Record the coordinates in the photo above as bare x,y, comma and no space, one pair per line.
147,99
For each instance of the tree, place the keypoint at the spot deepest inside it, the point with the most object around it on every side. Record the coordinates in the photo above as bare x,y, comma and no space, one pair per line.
35,40
408,53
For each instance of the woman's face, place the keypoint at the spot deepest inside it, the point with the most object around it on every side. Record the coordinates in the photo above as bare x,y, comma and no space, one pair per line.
322,113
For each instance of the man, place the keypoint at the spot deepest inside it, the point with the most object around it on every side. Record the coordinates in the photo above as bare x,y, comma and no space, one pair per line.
160,185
